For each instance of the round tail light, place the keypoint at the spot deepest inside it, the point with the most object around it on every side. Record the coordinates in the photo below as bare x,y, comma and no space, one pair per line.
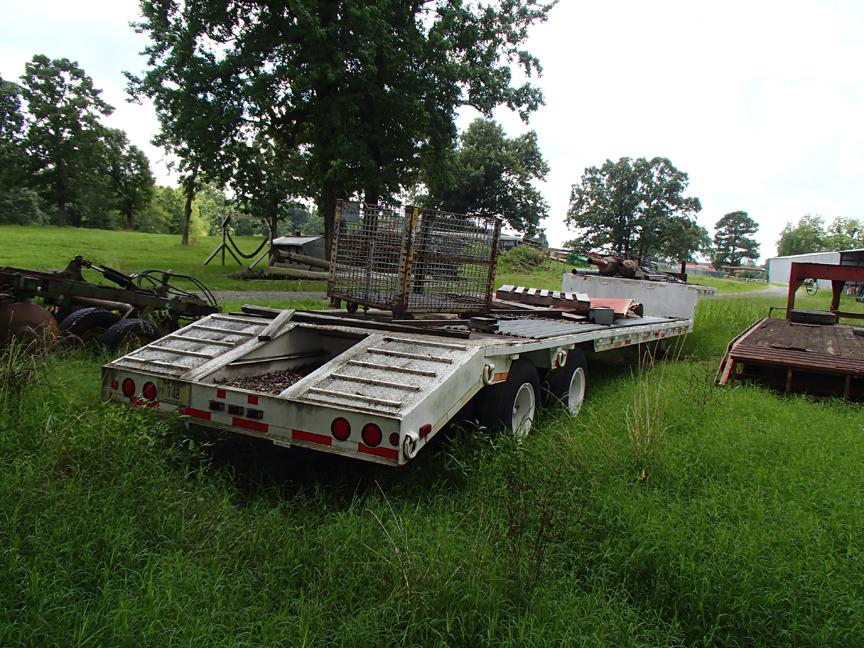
340,428
394,439
149,391
371,435
128,388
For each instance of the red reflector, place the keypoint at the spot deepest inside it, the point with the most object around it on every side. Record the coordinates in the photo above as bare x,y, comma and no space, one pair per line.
394,439
220,393
300,435
250,425
387,453
371,435
252,400
191,411
340,428
114,384
425,430
128,387
149,391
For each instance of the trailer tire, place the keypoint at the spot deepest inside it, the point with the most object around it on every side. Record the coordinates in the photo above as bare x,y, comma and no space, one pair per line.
130,334
802,316
513,404
567,384
88,324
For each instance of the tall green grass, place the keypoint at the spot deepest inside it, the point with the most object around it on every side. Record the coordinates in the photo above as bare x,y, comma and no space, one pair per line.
740,526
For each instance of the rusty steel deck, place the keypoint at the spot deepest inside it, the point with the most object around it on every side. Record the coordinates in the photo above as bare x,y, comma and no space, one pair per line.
811,358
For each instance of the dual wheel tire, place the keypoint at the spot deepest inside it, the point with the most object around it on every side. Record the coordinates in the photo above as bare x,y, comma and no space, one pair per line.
513,404
105,327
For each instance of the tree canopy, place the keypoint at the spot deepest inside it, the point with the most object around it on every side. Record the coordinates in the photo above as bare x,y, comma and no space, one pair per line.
628,207
359,91
491,174
810,234
733,241
64,108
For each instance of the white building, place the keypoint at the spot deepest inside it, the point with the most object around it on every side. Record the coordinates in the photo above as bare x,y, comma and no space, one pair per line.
779,267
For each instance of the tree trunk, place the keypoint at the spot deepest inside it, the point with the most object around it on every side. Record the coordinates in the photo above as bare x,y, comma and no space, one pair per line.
187,213
60,190
189,187
130,220
328,213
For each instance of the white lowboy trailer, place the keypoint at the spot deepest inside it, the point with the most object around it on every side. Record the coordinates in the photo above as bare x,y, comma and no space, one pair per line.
375,395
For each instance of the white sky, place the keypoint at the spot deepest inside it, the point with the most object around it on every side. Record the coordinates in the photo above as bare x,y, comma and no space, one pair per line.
761,103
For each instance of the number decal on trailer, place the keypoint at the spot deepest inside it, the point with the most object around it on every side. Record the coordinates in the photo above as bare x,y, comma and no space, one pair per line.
171,391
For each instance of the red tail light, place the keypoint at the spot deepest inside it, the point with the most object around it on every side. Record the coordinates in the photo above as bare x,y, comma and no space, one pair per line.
394,439
149,391
340,428
371,435
128,388
115,384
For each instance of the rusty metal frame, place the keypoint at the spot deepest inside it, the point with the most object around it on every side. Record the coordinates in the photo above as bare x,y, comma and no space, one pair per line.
837,274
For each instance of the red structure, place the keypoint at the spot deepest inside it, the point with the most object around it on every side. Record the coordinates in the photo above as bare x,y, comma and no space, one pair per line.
837,274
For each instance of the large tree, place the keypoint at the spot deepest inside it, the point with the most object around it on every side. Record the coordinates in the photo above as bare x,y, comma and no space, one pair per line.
491,174
64,109
807,235
626,207
13,159
131,180
733,240
360,90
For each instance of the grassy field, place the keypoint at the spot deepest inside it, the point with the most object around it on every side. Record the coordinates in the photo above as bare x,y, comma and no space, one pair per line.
670,512
51,248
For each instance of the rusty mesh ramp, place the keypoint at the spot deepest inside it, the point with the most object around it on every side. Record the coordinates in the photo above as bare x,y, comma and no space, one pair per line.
795,357
412,260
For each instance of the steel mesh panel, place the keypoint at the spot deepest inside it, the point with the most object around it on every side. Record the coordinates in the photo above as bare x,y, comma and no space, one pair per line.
413,260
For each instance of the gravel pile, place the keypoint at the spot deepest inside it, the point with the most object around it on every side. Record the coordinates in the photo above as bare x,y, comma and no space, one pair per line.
271,383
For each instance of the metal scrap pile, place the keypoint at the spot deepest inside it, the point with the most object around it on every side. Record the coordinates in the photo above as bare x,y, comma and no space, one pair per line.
274,382
616,266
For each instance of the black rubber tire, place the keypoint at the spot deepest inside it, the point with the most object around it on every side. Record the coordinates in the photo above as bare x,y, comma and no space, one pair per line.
351,307
556,385
88,324
495,408
124,330
801,316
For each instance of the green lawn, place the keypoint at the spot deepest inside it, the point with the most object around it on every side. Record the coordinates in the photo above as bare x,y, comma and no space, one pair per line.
51,248
670,512
728,285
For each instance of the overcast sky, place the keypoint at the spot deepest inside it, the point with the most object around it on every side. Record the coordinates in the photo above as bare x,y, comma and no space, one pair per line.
761,103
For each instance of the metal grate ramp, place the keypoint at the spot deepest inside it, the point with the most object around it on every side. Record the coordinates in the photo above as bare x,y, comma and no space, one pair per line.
385,375
194,345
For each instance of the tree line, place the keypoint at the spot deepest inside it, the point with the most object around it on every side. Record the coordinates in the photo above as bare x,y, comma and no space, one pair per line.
812,234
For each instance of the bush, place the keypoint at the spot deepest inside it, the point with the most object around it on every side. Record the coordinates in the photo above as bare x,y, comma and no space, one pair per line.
21,206
524,257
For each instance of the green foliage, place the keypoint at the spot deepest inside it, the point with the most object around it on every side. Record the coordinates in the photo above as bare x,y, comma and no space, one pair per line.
491,174
13,158
64,108
807,235
524,257
354,93
733,242
635,208
21,206
810,234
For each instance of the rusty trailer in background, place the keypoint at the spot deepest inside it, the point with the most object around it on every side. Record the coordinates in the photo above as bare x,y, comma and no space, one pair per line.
412,260
808,351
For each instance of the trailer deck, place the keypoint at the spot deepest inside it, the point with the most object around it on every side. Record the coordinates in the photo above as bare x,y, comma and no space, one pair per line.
793,356
371,393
